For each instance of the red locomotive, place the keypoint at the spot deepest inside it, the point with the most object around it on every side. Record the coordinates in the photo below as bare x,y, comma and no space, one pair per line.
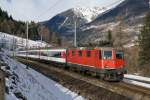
108,63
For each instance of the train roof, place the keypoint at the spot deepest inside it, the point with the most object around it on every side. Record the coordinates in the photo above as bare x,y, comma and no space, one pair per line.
77,48
99,48
55,50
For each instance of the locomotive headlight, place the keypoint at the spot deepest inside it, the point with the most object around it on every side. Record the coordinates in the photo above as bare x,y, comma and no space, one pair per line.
106,66
121,66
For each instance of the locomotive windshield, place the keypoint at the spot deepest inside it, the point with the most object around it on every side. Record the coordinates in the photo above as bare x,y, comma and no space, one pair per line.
119,55
107,55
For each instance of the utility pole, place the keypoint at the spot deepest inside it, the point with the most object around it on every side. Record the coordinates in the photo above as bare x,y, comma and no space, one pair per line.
41,38
75,34
149,3
27,29
13,46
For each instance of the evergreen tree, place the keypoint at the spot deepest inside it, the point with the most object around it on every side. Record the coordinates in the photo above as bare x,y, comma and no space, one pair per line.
144,42
109,37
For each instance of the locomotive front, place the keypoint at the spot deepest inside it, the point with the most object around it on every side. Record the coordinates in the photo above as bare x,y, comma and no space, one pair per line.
113,64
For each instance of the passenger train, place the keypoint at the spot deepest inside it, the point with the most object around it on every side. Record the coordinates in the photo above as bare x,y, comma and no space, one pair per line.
108,63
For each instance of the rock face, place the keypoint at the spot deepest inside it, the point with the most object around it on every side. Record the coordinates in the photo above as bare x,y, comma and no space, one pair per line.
93,25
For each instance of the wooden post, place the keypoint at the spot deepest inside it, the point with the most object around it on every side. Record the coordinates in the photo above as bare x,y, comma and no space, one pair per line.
2,85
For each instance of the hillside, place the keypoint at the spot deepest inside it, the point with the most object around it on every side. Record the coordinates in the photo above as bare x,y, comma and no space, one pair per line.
131,13
11,41
93,25
11,26
64,22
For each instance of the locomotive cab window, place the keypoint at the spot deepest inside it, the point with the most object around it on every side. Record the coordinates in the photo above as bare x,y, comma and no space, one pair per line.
107,54
73,53
80,53
100,56
119,55
88,54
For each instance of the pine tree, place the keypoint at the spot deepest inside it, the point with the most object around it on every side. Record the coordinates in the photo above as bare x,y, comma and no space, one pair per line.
144,42
109,37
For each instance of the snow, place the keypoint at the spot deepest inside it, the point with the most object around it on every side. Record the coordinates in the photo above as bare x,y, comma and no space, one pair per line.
33,85
137,83
135,79
88,13
11,96
129,45
90,27
9,40
91,13
63,22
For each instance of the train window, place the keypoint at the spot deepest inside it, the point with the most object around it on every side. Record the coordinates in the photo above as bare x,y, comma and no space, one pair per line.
107,55
73,53
32,53
57,54
43,54
119,55
100,56
80,53
88,54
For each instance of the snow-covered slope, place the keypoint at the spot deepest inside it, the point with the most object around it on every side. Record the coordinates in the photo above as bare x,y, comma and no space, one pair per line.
88,13
8,40
31,85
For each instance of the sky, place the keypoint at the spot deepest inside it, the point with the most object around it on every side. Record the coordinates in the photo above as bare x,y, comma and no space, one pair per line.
42,10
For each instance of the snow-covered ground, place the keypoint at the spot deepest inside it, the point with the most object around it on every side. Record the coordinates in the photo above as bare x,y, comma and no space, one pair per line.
32,85
137,80
8,40
136,77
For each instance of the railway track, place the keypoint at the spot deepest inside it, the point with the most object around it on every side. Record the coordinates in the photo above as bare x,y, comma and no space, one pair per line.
89,87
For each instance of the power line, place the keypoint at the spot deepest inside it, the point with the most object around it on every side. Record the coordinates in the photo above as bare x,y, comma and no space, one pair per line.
116,2
50,8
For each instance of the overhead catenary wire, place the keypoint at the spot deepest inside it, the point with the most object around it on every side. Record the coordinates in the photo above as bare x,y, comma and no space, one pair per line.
49,9
114,3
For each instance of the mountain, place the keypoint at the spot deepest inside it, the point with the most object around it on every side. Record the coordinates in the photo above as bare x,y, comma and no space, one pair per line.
88,13
93,24
128,8
64,22
131,13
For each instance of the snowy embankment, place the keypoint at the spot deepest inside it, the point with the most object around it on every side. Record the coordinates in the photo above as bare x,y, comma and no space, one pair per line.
137,80
31,85
9,40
